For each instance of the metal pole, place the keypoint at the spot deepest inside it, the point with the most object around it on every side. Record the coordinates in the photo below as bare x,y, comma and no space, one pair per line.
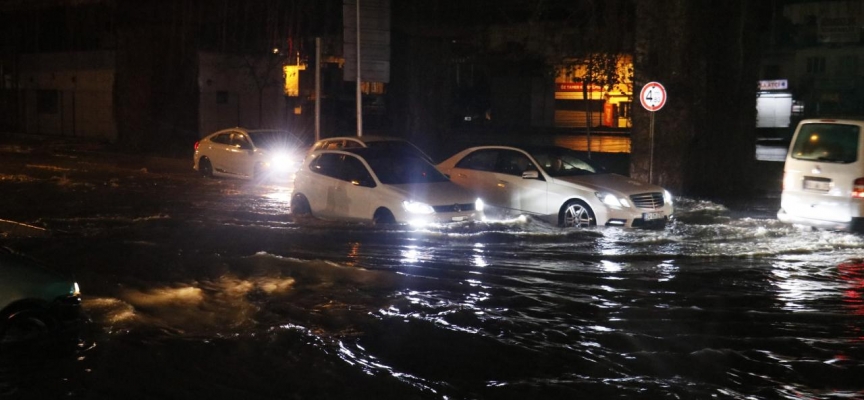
651,159
359,88
317,89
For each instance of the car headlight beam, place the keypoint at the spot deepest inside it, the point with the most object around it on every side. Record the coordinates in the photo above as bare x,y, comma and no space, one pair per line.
281,161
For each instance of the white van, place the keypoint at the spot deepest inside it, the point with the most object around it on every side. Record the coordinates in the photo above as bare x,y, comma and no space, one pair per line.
823,179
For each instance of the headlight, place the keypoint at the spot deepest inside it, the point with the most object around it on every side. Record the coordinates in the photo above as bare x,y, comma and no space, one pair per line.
76,291
667,197
281,161
610,200
479,205
416,207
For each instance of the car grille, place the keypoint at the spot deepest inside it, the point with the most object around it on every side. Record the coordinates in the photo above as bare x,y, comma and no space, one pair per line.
648,200
454,208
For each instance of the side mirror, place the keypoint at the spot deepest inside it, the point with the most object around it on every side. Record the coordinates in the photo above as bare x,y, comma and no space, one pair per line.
531,174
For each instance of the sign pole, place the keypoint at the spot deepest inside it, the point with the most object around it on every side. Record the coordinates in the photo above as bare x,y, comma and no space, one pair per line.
317,89
359,93
653,98
651,159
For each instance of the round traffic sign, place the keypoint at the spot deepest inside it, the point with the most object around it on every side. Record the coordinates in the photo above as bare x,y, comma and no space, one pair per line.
653,96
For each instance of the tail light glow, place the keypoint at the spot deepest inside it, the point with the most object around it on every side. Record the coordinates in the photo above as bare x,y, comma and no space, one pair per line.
858,188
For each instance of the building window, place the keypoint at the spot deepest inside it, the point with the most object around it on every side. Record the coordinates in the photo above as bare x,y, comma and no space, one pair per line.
815,65
46,101
625,109
848,66
221,97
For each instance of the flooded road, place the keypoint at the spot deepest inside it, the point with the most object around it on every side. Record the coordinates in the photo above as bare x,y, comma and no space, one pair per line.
209,288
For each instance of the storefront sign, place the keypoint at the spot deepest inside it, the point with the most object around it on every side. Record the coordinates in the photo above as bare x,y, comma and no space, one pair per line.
777,84
576,87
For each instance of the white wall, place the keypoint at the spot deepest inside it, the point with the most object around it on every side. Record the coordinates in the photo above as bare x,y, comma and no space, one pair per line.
84,82
238,104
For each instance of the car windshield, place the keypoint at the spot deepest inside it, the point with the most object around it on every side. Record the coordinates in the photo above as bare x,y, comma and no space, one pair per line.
827,142
558,161
402,169
276,139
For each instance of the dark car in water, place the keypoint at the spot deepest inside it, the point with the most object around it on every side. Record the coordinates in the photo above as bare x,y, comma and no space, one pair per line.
38,305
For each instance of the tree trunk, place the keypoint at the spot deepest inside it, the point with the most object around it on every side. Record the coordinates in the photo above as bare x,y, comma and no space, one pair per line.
705,54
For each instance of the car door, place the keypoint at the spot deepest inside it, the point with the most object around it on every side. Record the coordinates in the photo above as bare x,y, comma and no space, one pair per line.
322,189
342,189
519,193
217,151
359,189
241,155
476,172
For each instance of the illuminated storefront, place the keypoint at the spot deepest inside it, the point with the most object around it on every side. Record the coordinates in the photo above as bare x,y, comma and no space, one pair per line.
607,105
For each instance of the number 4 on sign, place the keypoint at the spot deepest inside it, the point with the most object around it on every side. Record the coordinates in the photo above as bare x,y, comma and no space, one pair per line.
653,96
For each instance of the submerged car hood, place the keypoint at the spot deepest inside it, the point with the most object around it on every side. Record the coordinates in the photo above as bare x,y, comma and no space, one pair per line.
439,193
609,182
23,278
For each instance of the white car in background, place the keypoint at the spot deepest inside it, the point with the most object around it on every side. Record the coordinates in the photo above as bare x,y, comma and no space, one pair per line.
556,184
397,145
823,177
248,154
379,186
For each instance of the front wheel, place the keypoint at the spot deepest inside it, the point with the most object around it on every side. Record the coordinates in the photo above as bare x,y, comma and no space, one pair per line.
383,216
576,214
25,327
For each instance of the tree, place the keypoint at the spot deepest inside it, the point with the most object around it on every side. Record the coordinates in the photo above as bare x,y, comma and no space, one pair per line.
706,55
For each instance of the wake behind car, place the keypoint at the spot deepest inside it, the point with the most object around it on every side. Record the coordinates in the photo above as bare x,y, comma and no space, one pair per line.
556,184
823,177
36,303
379,186
248,154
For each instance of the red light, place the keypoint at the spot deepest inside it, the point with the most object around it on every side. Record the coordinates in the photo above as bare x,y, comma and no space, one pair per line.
196,145
858,188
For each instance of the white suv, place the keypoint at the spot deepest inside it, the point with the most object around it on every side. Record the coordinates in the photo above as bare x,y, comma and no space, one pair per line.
823,179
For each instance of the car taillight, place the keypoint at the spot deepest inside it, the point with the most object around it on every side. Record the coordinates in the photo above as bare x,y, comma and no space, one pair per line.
196,145
858,188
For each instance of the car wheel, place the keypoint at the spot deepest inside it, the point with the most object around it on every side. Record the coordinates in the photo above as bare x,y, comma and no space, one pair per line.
205,168
300,205
383,216
30,326
576,214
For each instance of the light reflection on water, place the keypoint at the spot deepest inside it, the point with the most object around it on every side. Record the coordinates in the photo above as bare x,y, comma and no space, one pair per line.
712,306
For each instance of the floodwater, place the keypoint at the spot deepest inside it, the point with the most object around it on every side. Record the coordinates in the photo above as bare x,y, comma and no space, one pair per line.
197,288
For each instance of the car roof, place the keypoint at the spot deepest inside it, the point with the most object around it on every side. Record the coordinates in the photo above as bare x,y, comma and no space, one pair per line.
364,139
528,148
368,152
241,129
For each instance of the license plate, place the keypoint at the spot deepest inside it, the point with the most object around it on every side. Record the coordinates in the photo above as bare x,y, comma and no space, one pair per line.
649,216
817,184
457,219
